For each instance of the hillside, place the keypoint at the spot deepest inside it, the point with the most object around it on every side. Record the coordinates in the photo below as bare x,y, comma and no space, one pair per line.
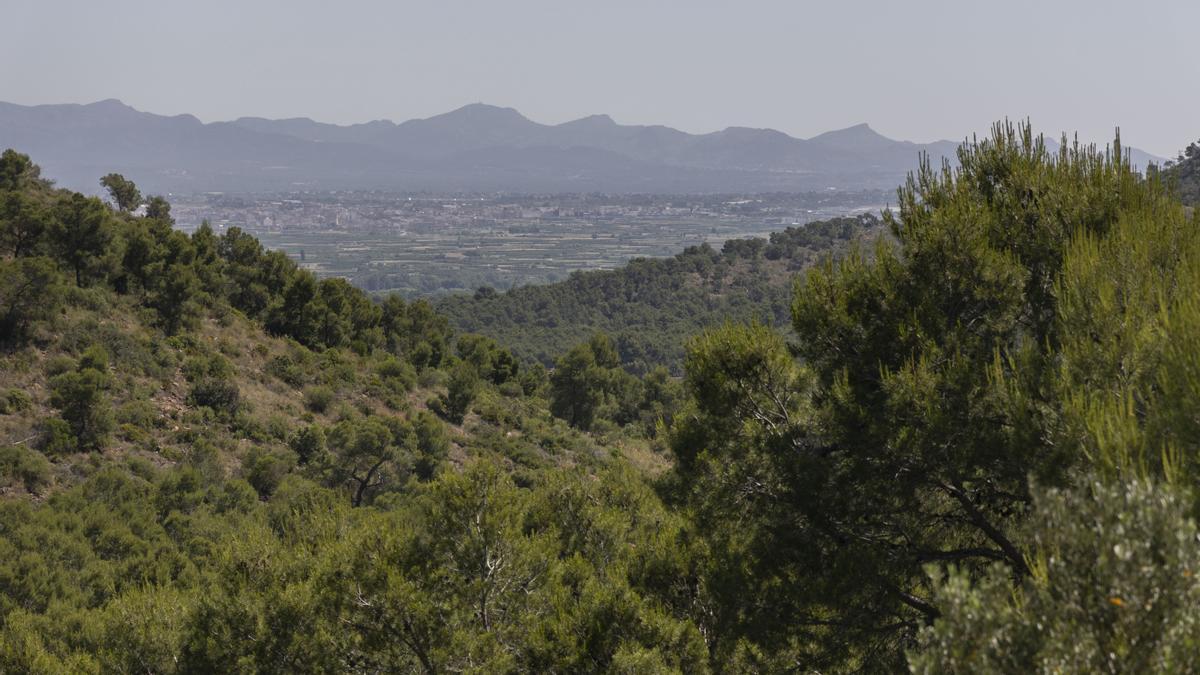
975,451
173,407
1184,174
650,306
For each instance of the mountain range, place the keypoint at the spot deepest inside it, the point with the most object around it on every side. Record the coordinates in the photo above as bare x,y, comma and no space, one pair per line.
477,147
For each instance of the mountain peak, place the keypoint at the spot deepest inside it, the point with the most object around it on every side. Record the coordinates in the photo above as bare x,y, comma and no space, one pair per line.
860,137
482,111
861,130
596,119
110,104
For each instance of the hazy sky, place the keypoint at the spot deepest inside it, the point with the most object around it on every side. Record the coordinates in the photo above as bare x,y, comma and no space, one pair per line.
915,69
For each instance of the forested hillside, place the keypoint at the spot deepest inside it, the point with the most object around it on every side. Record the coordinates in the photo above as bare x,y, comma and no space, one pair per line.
650,306
1184,174
975,451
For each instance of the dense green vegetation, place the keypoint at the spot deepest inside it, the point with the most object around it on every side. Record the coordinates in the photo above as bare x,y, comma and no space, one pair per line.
650,305
1184,174
974,450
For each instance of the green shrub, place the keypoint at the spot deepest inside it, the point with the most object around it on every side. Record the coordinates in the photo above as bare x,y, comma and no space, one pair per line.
1113,589
264,469
55,437
250,427
461,390
337,366
59,365
278,427
430,378
133,433
82,400
139,413
220,394
289,370
235,496
433,444
14,401
318,399
399,376
308,443
25,466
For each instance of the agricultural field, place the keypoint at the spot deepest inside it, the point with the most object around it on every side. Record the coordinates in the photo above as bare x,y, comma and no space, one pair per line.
430,244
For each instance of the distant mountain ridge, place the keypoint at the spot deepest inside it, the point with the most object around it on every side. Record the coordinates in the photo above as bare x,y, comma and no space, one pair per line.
477,147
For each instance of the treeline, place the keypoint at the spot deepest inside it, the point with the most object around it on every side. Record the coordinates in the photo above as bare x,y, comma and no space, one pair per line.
175,275
1184,174
974,451
649,306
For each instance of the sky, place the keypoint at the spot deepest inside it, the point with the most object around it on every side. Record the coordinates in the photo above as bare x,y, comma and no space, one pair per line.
919,70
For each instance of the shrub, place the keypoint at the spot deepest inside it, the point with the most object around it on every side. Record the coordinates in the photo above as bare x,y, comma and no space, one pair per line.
59,365
265,469
14,401
81,398
399,376
220,394
318,399
308,443
139,413
55,437
212,384
278,426
462,387
1113,589
430,378
288,370
250,427
25,466
235,496
433,444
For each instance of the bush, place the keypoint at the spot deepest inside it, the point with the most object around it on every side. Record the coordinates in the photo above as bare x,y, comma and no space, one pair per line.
290,369
250,427
59,365
399,376
14,401
235,496
318,399
308,443
265,469
83,402
55,437
27,467
433,444
277,427
219,394
139,413
1114,589
213,385
461,390
430,378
